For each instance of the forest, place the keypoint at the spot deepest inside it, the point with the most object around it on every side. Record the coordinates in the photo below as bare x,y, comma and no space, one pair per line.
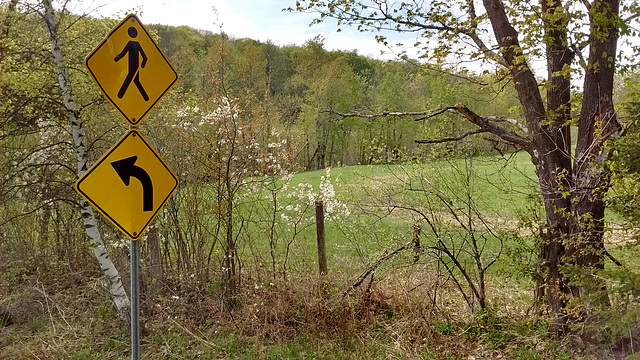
467,214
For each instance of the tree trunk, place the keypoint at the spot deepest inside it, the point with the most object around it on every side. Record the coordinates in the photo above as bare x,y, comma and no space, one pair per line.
550,153
229,262
230,256
598,121
272,232
573,195
116,289
322,133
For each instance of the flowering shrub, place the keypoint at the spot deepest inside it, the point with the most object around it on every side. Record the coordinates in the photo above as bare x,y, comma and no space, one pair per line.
304,196
230,143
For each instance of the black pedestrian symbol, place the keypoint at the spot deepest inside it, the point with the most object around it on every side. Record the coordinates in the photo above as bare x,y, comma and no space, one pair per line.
134,50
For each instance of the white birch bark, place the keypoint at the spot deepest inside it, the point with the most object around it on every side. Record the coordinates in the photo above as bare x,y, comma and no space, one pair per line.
116,288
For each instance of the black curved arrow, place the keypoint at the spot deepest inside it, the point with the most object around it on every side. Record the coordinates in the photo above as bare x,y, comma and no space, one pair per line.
126,168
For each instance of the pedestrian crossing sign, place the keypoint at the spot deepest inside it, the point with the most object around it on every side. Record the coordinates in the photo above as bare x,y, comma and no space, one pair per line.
131,70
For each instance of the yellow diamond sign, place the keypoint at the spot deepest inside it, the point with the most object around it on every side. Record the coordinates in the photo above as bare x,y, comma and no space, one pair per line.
129,184
131,70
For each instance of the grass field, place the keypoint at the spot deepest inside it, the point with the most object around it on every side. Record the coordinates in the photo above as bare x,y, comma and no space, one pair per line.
501,183
500,188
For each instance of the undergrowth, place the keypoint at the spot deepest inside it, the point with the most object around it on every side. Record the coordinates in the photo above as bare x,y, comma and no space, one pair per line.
297,319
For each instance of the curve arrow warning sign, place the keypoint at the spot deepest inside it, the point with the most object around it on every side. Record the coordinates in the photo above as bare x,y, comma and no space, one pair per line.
127,169
129,184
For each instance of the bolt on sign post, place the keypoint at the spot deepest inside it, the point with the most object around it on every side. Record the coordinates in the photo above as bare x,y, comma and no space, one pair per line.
131,70
130,183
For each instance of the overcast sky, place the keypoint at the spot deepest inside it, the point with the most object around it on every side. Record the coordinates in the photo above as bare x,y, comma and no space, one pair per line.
256,19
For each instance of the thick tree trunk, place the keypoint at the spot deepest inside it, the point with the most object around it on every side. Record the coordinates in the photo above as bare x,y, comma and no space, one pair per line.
573,195
116,289
554,168
550,153
598,121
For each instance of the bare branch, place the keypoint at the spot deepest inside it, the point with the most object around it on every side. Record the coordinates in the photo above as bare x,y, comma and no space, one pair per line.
373,267
449,139
578,51
486,124
382,114
587,4
615,261
436,112
473,34
631,18
511,121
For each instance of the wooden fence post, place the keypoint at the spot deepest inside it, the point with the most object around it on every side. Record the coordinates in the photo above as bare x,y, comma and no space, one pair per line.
322,250
417,247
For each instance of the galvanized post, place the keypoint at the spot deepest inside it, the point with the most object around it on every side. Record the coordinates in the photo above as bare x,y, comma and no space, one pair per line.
135,301
135,298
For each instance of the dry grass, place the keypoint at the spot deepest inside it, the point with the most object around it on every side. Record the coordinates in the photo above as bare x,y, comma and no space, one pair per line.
404,314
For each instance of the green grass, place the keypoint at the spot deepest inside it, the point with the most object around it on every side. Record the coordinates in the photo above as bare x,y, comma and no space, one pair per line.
499,187
501,183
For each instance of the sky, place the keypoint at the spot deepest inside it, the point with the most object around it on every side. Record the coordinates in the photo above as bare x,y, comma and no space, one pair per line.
256,19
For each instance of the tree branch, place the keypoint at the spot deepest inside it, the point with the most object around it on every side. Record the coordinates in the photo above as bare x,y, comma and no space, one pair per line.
485,123
615,261
511,121
449,139
382,17
473,35
373,267
382,114
631,18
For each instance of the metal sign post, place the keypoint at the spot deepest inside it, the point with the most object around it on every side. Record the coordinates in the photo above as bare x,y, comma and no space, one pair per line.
134,253
135,300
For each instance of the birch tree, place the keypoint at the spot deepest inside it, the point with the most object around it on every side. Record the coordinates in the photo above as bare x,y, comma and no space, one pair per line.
116,288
